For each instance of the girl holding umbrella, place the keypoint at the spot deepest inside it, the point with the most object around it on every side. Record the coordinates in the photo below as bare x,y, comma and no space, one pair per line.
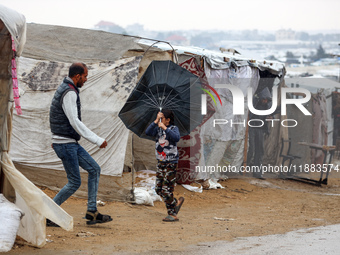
167,135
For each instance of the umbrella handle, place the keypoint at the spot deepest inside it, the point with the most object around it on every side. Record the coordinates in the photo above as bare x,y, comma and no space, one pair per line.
160,119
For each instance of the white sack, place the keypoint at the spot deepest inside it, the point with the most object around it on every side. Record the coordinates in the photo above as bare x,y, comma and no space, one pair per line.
10,220
142,197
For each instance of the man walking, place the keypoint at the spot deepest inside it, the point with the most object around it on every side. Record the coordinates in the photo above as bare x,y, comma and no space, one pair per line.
67,129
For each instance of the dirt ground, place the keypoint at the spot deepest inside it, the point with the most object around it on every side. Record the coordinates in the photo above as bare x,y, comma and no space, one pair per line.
245,207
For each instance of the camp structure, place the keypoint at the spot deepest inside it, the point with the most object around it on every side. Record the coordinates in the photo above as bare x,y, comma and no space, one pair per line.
218,145
13,37
213,146
116,62
323,127
34,204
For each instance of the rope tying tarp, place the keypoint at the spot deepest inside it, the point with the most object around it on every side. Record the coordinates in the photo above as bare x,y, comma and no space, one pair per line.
15,80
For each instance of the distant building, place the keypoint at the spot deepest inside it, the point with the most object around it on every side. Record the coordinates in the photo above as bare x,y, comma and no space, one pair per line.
177,40
289,60
135,29
110,27
285,35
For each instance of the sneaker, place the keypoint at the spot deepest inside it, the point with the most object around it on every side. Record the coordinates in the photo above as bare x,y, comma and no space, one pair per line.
96,217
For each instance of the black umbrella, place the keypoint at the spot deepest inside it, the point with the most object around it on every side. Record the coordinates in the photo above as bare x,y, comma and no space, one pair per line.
164,85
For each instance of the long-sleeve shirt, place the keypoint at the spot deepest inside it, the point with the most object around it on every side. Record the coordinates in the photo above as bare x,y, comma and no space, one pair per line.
166,142
69,106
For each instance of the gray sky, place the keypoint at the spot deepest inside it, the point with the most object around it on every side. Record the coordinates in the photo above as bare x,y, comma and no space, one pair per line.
298,15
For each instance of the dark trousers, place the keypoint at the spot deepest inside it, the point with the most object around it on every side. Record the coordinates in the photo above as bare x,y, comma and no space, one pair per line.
165,184
255,149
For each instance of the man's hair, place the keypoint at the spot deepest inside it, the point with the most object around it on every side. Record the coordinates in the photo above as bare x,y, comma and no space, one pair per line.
168,114
76,68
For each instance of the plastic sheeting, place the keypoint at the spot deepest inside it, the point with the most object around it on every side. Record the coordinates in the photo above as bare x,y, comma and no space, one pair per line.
190,146
317,128
12,25
16,25
320,135
225,60
6,89
102,96
218,61
69,44
223,145
36,206
242,77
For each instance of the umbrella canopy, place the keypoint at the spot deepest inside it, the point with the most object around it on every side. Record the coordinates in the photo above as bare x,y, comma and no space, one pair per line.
164,85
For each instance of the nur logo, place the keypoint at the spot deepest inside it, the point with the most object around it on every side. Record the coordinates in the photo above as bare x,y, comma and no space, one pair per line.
238,100
204,98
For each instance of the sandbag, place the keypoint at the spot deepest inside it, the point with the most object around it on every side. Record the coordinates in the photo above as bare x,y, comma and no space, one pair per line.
142,197
10,220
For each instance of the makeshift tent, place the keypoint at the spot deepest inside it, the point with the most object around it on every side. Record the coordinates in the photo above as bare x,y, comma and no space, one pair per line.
114,68
35,204
319,128
208,145
46,62
12,27
115,62
229,146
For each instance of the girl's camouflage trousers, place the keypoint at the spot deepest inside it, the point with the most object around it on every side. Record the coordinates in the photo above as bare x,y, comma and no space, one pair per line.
165,184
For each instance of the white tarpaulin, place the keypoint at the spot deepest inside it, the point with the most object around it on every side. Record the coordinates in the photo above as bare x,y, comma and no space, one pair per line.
35,204
243,78
102,97
224,143
16,25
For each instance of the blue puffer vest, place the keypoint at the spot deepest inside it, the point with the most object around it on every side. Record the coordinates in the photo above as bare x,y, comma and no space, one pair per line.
59,123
